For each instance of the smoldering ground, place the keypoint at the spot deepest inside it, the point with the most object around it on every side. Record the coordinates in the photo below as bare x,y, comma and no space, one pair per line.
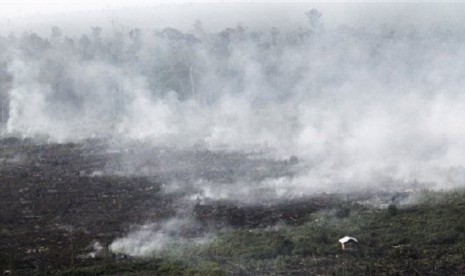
371,108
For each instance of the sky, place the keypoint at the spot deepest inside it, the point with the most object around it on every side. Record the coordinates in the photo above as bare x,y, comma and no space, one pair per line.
79,16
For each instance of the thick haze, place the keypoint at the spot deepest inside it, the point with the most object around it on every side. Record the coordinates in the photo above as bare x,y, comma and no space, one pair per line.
121,15
361,93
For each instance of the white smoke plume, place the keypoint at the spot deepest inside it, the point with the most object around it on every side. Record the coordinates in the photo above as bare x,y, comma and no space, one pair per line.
354,104
158,237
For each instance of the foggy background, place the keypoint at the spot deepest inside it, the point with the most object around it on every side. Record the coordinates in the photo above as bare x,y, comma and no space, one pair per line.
358,101
40,15
362,94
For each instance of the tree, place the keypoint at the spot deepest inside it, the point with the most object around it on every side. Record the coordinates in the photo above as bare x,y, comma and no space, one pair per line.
314,18
56,32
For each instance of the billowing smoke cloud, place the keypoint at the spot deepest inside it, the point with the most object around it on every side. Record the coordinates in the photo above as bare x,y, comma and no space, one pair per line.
355,105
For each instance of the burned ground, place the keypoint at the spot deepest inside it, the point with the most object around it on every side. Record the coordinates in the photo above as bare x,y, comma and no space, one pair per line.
52,206
57,200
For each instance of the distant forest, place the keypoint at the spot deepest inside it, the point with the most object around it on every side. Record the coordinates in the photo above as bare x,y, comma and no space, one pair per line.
171,61
103,71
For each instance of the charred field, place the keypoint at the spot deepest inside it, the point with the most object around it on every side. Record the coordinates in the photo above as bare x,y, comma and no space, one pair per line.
64,205
216,148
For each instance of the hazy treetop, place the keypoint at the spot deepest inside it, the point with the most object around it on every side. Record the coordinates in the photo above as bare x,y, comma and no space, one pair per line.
78,16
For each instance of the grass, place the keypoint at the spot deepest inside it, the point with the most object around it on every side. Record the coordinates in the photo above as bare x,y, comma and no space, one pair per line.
427,237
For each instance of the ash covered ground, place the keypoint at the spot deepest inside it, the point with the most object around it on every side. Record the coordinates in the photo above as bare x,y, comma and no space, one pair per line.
59,199
96,208
63,204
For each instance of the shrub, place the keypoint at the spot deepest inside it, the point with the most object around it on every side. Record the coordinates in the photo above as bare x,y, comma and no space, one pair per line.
392,209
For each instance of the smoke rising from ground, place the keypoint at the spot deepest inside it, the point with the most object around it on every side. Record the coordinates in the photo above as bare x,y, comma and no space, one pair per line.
355,105
311,109
158,237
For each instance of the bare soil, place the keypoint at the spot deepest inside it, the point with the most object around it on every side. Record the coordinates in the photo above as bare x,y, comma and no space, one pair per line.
56,199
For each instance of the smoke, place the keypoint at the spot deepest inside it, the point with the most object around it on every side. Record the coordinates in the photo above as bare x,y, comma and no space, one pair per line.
355,104
159,237
377,107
